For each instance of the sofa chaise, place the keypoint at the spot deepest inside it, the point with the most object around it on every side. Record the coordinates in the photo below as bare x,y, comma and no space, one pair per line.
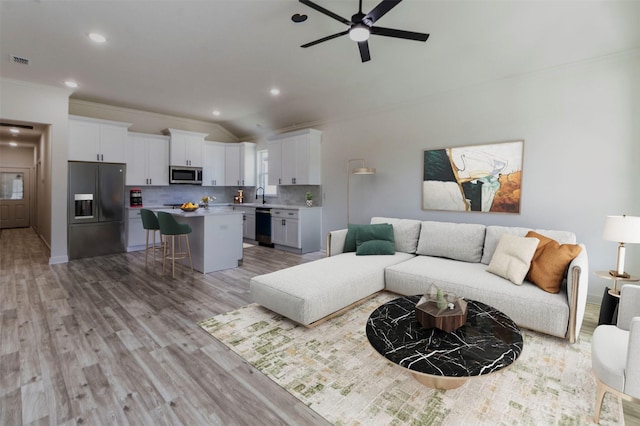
451,256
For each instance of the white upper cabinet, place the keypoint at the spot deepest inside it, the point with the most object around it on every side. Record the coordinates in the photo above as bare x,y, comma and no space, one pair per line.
185,147
213,164
294,158
92,139
147,160
240,164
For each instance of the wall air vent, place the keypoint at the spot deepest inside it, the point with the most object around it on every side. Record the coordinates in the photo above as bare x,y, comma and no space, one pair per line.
19,60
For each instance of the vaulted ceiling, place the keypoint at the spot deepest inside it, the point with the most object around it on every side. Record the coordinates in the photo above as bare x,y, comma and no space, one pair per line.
188,58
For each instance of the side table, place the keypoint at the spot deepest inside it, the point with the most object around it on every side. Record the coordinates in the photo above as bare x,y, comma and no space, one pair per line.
611,297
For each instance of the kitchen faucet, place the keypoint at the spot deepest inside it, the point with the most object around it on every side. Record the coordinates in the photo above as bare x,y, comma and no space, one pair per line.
258,189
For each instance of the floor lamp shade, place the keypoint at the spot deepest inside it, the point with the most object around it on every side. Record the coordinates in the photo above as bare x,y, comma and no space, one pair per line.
621,229
362,170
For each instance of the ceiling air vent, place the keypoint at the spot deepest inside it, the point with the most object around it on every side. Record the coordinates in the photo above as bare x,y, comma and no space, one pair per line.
19,60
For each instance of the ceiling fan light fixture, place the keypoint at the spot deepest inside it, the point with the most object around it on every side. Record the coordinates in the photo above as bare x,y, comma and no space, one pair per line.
359,32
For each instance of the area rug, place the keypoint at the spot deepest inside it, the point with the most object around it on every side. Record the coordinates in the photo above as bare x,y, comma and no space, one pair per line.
333,370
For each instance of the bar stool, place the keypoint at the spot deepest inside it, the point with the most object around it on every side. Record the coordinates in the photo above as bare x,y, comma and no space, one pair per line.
150,223
169,227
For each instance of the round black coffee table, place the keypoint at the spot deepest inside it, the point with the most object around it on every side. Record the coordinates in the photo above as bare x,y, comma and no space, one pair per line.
488,342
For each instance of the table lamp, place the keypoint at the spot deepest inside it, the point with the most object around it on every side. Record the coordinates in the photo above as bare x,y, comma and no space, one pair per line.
622,229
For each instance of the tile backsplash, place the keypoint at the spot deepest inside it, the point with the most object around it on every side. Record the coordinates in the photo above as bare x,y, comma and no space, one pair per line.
287,195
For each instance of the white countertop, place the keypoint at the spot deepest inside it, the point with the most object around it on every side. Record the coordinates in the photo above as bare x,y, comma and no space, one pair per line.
276,206
228,206
200,212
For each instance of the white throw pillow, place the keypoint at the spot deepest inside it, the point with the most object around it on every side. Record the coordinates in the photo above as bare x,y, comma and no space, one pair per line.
512,257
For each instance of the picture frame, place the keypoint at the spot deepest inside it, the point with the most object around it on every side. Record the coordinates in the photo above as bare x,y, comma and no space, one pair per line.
474,178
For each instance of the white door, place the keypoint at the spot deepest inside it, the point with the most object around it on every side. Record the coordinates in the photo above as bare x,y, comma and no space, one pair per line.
14,197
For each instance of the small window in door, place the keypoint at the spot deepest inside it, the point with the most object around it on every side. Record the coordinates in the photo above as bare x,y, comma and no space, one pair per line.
11,186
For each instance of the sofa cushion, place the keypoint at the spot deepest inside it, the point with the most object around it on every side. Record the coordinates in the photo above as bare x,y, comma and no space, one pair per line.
512,257
525,304
308,292
405,232
495,232
458,241
550,262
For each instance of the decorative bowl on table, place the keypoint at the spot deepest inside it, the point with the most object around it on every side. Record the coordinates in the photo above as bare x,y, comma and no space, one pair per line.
189,207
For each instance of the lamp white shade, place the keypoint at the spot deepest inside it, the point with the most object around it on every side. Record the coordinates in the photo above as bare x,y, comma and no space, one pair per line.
364,171
622,229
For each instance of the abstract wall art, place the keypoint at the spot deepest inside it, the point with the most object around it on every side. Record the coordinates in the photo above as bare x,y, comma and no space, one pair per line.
480,178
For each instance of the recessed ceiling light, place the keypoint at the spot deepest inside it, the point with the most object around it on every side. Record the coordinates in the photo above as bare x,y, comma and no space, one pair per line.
14,130
275,91
216,113
71,84
13,144
98,38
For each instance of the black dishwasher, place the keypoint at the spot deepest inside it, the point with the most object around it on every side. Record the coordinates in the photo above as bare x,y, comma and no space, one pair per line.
263,226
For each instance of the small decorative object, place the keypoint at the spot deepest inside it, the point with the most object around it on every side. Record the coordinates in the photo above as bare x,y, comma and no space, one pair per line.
206,200
441,302
448,316
309,197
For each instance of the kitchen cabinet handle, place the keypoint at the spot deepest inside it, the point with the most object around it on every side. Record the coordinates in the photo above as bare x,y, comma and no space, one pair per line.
101,157
290,213
279,181
97,157
150,181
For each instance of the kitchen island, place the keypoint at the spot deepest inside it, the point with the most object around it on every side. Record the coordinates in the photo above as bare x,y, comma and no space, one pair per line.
215,239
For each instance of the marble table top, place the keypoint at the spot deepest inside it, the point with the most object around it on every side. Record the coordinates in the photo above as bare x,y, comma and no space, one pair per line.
488,342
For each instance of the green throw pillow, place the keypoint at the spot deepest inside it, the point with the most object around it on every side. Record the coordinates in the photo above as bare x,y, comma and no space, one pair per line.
350,240
375,247
358,234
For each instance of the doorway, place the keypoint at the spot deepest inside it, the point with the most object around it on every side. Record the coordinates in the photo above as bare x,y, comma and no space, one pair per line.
14,197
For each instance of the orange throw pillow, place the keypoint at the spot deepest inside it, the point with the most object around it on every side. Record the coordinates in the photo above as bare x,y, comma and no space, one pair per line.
550,262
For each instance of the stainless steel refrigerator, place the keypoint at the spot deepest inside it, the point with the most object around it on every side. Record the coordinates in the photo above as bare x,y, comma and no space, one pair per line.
96,209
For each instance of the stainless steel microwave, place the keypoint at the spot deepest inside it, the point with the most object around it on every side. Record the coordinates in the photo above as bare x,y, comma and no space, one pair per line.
185,175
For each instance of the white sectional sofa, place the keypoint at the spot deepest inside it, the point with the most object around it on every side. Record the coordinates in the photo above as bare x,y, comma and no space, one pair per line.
451,256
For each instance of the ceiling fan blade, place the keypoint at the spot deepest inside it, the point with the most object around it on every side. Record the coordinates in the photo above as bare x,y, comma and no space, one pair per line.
408,35
363,46
325,11
380,10
320,40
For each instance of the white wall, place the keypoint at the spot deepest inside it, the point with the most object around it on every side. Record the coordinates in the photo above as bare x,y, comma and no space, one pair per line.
46,105
16,156
581,126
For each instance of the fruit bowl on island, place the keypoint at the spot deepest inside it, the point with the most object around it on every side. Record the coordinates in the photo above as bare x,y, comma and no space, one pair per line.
189,207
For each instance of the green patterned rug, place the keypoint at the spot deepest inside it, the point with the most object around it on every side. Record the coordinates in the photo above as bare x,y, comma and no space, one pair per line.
333,370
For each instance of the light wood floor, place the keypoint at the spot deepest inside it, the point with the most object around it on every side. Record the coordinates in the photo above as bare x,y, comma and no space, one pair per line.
104,341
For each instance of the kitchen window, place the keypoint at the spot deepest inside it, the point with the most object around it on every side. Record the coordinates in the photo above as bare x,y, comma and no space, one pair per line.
263,173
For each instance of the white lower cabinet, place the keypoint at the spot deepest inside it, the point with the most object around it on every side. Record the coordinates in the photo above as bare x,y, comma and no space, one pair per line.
298,230
136,234
248,221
